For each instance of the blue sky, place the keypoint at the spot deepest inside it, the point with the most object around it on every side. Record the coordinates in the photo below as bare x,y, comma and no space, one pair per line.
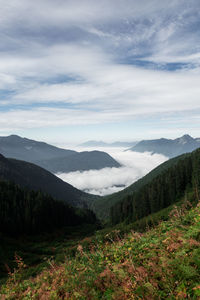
76,70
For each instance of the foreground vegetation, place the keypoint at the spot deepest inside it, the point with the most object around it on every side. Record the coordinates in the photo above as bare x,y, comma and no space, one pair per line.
162,263
37,251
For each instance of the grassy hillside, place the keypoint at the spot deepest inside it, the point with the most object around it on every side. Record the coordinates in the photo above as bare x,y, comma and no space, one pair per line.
37,251
162,263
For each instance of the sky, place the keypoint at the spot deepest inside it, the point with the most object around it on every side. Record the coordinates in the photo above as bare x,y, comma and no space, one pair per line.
134,165
76,70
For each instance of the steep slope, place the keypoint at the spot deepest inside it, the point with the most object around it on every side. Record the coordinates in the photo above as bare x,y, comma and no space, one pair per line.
52,158
162,191
162,263
33,212
101,206
14,146
167,147
33,177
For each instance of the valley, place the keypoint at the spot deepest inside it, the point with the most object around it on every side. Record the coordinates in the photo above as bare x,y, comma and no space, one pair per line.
41,237
100,150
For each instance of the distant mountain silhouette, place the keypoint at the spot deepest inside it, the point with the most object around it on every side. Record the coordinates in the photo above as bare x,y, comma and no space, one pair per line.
103,144
33,177
81,161
168,147
52,158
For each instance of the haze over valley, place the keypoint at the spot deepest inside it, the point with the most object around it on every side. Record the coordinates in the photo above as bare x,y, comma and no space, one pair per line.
135,162
110,180
97,167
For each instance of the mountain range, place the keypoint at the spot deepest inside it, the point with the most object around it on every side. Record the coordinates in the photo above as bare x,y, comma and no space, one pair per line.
33,177
52,158
104,144
34,215
168,147
37,227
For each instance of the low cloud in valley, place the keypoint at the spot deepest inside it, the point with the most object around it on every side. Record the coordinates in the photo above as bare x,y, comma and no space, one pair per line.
110,180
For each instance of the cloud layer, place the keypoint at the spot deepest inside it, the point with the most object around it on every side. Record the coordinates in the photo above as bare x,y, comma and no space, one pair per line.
110,180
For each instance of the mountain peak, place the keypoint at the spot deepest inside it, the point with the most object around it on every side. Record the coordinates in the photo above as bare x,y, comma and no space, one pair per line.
186,136
185,139
14,137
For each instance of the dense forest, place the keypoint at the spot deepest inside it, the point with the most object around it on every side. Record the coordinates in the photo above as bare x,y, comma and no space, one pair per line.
101,206
30,212
162,191
33,177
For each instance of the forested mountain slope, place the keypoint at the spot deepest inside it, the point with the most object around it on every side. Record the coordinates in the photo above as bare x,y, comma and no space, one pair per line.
162,190
33,177
32,212
102,205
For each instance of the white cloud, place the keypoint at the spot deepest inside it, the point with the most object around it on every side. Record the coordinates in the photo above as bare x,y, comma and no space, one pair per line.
97,79
50,117
60,12
121,90
110,180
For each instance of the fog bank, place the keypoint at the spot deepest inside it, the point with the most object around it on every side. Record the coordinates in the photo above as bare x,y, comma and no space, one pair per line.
109,180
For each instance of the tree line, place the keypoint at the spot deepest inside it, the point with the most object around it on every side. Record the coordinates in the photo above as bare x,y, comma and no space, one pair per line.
30,212
164,190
